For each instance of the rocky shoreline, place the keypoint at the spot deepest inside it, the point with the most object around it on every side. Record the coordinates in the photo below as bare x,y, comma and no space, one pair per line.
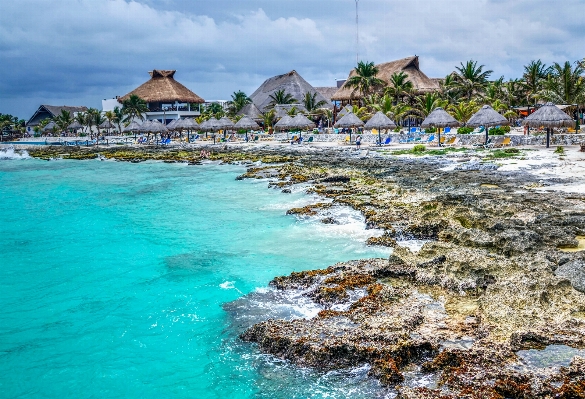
495,279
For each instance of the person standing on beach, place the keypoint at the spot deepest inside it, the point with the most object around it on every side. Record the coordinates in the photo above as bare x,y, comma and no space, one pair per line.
358,142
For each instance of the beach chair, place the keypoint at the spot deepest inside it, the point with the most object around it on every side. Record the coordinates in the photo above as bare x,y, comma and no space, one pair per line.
435,143
447,130
386,142
483,144
346,140
497,142
505,141
449,142
310,140
409,139
453,142
429,139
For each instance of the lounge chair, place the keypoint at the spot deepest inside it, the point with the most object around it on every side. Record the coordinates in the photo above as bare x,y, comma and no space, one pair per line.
386,142
414,130
429,140
346,140
505,141
453,142
497,142
449,142
309,140
409,139
447,130
435,143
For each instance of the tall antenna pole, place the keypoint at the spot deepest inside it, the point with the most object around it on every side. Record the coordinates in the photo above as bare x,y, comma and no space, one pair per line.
357,40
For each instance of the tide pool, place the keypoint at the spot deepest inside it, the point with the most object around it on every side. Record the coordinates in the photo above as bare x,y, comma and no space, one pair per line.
115,277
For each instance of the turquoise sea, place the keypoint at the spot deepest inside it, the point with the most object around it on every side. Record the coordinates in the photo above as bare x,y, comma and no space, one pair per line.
125,280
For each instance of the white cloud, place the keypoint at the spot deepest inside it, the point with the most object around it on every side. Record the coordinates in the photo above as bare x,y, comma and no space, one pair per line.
76,50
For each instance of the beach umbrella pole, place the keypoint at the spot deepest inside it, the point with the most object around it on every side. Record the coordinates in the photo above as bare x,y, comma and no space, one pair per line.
379,138
439,136
548,137
487,132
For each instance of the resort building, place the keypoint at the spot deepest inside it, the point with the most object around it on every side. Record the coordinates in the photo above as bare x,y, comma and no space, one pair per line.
292,83
50,111
410,66
166,98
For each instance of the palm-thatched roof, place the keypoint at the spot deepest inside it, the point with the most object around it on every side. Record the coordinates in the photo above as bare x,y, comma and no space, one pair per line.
156,127
327,92
283,109
49,126
549,115
132,127
75,125
300,121
105,125
439,118
251,111
291,82
410,66
283,123
50,111
487,116
226,123
380,121
246,123
349,120
162,87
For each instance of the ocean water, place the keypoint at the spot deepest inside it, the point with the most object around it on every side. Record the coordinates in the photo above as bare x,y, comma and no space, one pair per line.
128,280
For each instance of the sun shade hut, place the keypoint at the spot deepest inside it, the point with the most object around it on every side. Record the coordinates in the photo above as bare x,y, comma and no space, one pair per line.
75,126
246,123
487,116
301,122
172,124
439,118
283,123
548,116
226,123
349,120
49,127
163,88
133,127
380,121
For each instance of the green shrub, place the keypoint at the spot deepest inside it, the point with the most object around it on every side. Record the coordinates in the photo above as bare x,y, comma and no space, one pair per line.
396,129
430,130
419,148
464,130
497,131
560,150
513,150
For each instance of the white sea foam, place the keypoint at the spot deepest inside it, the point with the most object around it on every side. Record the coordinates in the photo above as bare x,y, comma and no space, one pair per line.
227,285
10,153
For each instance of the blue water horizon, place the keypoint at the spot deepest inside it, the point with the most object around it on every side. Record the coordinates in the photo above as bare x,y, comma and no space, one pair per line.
114,277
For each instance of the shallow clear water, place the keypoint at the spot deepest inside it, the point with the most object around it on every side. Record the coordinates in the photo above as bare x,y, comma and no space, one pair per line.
114,278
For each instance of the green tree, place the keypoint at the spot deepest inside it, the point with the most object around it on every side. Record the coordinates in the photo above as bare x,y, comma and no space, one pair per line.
565,84
268,119
281,97
471,79
63,120
292,111
427,103
310,102
463,110
81,118
534,76
118,118
91,117
134,107
239,100
365,80
399,86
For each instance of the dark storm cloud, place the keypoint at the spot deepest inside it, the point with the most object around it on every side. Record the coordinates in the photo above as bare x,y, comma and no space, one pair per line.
80,51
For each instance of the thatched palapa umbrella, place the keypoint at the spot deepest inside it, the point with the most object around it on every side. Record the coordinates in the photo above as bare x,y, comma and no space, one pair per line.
226,123
349,120
548,116
49,127
380,121
439,118
171,125
246,123
74,126
487,116
283,123
301,122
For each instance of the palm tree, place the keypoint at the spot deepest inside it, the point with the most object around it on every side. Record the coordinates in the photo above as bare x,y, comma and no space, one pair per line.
463,110
565,85
365,79
399,86
63,120
292,111
471,79
80,117
239,100
534,75
383,104
268,119
91,116
310,102
448,89
118,118
134,107
427,103
281,97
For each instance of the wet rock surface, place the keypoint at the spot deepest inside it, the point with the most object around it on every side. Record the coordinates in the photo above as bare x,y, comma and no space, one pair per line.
491,282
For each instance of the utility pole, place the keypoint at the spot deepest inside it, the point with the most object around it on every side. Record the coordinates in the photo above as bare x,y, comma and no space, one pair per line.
357,40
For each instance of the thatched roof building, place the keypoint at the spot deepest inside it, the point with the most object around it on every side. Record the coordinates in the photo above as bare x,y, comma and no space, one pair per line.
251,111
163,88
50,111
421,82
327,92
292,83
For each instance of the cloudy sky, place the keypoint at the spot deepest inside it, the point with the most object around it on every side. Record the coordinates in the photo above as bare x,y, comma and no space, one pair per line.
78,52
